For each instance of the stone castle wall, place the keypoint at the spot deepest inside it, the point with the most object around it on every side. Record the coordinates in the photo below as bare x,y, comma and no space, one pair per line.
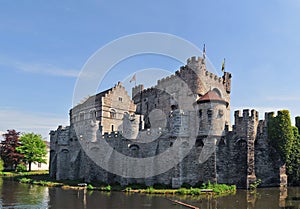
242,156
169,112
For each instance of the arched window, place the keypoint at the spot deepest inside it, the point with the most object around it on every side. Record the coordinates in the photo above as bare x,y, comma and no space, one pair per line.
217,91
93,114
113,113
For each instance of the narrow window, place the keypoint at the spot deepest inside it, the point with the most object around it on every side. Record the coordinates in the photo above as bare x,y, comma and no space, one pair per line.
200,113
221,113
209,115
112,128
120,99
81,116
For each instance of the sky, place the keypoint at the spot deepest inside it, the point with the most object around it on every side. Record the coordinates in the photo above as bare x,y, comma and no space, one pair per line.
45,44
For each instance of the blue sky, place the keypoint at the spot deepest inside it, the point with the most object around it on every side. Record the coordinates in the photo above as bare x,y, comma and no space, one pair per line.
45,44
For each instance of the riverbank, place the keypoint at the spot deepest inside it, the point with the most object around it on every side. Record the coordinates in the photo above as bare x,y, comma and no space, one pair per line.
42,178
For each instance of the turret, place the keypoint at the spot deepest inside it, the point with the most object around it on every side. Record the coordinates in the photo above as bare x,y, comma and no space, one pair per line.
211,111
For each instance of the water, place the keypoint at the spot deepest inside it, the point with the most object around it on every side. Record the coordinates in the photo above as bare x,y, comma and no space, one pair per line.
16,195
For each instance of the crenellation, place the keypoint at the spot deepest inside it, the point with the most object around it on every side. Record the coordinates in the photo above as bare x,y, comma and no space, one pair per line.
153,120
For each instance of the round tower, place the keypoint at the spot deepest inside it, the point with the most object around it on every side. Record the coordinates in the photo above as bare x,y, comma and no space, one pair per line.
211,111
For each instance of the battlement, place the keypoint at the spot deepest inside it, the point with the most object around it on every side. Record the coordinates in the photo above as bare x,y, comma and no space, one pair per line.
195,60
246,114
244,120
167,79
137,89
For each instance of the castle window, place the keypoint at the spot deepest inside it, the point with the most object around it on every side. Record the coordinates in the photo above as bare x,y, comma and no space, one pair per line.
221,113
112,113
200,113
112,128
81,116
209,115
92,114
120,99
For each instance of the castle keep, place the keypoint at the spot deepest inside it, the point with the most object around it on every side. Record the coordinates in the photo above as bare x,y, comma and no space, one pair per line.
189,110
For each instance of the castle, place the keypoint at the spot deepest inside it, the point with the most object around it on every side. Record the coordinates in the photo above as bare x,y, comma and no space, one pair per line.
184,119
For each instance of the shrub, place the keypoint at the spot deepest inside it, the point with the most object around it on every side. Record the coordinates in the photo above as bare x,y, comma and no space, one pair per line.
21,168
90,187
25,180
182,191
107,188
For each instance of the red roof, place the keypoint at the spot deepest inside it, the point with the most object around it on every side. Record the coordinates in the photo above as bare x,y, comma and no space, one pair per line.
211,96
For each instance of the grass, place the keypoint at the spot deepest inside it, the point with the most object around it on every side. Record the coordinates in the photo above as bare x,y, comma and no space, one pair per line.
43,179
217,189
26,173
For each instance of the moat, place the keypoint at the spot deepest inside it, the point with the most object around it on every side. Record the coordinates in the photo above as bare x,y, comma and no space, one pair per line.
16,195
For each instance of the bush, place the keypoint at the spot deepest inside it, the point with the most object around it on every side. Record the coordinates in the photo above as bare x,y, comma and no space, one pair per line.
195,191
182,191
25,180
90,187
107,188
21,168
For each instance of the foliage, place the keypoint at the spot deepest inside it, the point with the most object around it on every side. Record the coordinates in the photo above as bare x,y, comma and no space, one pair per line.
33,148
293,168
90,187
280,133
1,165
9,154
286,140
107,188
21,168
25,180
219,188
255,184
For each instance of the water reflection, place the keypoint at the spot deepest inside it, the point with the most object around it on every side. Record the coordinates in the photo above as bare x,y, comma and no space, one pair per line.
22,195
15,195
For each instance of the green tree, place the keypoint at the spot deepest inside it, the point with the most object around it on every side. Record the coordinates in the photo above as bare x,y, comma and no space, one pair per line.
9,154
286,140
293,163
33,148
281,134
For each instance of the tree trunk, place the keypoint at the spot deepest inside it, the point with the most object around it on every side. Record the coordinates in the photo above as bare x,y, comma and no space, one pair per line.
29,166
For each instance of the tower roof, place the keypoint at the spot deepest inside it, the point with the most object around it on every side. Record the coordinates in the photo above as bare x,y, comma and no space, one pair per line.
211,96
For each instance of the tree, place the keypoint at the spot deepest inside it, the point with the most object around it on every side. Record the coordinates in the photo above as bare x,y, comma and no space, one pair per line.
281,134
293,163
286,140
9,154
33,148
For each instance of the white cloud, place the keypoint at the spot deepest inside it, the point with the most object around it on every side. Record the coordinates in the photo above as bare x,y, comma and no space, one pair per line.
40,123
40,68
46,69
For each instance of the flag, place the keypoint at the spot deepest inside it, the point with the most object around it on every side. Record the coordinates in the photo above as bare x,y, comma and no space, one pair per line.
133,78
223,65
204,52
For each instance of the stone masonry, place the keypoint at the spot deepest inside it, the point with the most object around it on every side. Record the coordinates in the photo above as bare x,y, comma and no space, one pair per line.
191,105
